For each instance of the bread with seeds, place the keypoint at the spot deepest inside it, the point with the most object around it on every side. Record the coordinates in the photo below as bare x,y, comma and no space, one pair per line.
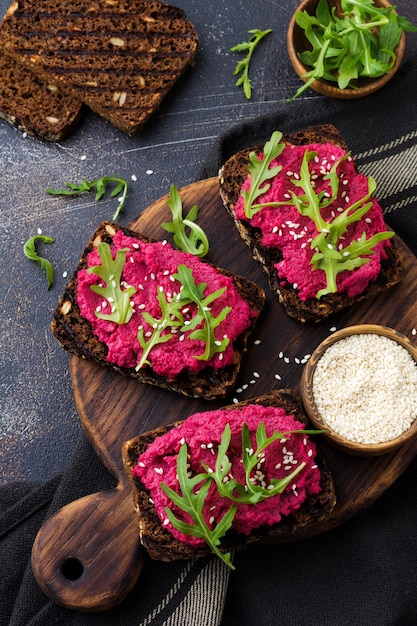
157,314
305,502
35,106
119,57
315,176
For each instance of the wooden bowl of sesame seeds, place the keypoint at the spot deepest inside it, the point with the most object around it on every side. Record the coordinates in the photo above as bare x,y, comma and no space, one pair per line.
298,43
360,386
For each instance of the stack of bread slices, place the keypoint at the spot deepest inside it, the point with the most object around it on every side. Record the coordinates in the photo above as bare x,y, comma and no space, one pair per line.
118,57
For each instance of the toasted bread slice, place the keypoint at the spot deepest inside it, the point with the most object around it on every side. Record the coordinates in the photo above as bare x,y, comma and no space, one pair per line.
74,332
35,106
120,58
162,545
231,177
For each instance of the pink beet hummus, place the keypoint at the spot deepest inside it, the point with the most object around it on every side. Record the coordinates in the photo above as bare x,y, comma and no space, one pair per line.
148,266
285,228
202,433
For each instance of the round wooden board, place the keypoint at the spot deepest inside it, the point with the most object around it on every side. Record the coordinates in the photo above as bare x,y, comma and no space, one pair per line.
113,409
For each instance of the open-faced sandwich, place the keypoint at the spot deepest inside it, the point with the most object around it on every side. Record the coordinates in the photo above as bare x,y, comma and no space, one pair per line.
160,315
222,479
310,219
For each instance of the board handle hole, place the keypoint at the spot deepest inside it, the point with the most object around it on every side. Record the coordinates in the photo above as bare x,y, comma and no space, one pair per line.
72,569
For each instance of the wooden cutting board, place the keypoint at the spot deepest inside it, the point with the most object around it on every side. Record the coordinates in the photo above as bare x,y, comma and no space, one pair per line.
87,556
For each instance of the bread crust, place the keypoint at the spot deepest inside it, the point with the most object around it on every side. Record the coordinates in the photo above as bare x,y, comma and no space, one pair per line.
231,177
160,543
75,334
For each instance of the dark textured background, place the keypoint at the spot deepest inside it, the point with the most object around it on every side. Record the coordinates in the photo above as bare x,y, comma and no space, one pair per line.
39,427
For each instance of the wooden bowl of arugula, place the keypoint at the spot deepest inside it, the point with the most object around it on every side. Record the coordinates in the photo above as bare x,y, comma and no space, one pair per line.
345,48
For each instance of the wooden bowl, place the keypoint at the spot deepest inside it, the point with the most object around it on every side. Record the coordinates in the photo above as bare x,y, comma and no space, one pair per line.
297,42
307,393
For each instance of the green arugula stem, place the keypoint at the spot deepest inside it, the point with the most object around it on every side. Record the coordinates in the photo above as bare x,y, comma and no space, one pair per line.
242,67
171,316
30,252
111,272
196,242
100,184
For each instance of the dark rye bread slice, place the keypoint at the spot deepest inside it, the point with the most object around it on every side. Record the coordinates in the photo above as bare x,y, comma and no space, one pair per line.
162,545
75,334
120,57
35,106
231,177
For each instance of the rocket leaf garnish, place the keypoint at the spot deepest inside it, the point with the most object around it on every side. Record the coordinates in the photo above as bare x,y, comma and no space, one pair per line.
192,502
30,252
195,293
194,489
261,171
250,492
111,272
172,316
100,184
242,67
331,255
196,241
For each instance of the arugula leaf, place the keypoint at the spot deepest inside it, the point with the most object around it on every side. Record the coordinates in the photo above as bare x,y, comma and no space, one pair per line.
30,252
250,492
100,184
261,171
242,67
192,503
195,293
359,43
111,271
171,317
196,241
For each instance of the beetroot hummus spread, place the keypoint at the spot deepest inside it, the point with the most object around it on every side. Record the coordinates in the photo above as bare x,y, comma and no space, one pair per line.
202,433
148,267
285,228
